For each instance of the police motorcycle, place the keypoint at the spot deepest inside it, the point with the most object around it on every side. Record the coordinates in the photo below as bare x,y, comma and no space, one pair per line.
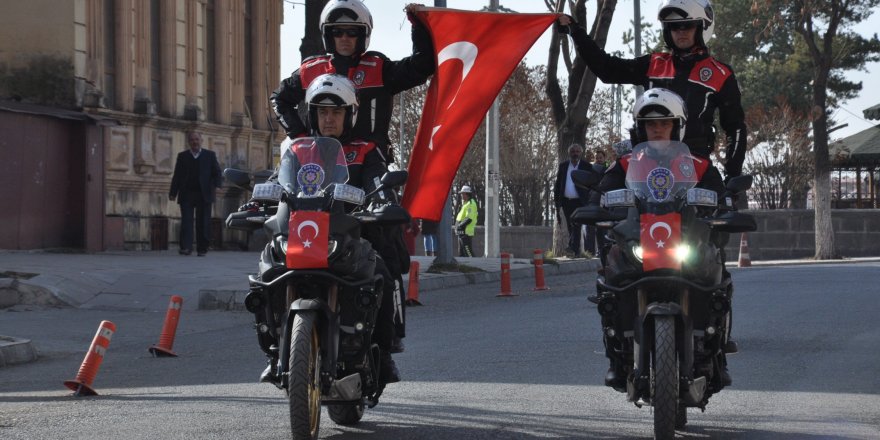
663,302
317,294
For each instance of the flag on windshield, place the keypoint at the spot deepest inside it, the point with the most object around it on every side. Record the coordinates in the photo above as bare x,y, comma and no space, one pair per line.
475,53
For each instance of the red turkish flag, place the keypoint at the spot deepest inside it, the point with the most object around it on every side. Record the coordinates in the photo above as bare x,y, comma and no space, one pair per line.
475,53
660,235
308,239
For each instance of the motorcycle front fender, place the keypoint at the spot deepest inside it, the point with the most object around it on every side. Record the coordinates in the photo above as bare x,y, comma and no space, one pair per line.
328,333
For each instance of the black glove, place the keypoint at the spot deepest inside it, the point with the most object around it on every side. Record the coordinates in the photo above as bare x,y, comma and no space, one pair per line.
566,30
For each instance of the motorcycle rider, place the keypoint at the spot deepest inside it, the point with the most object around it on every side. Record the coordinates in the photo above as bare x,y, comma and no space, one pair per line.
660,116
346,26
332,109
703,82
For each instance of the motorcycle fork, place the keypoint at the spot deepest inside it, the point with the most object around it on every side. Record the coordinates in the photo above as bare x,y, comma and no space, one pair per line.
684,342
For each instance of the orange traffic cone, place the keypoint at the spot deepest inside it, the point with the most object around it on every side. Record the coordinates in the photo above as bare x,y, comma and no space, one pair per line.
82,385
744,260
412,294
538,261
166,339
505,276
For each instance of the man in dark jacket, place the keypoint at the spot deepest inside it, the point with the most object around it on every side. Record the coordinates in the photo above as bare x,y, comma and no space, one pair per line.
196,175
347,25
704,83
570,197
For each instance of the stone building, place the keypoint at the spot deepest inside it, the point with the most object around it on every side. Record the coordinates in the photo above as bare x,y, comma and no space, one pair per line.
158,68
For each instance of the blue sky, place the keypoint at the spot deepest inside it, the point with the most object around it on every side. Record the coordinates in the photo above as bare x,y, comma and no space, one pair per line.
391,37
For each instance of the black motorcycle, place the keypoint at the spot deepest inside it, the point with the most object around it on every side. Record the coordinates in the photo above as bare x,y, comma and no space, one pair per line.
663,300
317,294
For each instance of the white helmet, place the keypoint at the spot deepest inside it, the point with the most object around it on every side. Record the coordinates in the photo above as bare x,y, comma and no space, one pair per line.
349,13
332,90
659,103
466,190
672,11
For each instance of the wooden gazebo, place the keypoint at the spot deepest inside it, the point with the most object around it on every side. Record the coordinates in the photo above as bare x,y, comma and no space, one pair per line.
859,153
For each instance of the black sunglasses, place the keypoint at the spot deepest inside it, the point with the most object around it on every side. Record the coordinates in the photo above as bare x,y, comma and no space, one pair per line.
353,33
683,25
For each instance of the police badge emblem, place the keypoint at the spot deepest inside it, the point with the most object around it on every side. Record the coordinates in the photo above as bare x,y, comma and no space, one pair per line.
705,74
686,169
359,77
660,181
351,156
310,177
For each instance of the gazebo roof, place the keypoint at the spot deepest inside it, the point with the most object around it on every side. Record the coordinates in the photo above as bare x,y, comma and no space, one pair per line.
861,149
872,112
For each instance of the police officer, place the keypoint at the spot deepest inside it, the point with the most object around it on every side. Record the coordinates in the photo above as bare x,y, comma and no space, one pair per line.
660,115
688,69
466,222
332,109
346,26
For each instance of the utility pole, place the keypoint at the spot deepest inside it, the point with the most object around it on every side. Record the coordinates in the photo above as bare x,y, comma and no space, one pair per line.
637,33
444,229
493,178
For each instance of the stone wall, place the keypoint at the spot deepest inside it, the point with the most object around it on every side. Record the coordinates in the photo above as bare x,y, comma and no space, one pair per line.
781,234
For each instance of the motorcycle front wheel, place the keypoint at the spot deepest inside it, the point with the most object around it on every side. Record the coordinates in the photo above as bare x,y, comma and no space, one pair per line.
304,390
664,397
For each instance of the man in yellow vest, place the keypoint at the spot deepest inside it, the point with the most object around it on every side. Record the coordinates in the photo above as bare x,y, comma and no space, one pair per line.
466,222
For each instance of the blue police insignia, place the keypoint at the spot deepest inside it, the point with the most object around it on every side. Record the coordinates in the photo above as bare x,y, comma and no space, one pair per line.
359,77
310,177
686,169
660,181
705,74
351,156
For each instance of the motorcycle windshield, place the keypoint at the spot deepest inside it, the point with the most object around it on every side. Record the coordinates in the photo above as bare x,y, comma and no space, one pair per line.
311,164
660,171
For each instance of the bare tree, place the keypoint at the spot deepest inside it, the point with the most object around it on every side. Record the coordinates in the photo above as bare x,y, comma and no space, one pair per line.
570,111
313,42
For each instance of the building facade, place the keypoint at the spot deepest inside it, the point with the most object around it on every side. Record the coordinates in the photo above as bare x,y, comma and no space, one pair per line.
159,68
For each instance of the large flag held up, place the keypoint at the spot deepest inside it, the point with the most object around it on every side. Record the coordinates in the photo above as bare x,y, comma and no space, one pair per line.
475,53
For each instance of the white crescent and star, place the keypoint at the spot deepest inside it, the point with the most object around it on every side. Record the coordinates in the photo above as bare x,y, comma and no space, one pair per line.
308,224
464,51
662,225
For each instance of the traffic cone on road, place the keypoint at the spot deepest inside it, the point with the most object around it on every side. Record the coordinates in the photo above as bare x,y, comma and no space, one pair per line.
412,294
82,385
505,276
744,260
538,261
166,339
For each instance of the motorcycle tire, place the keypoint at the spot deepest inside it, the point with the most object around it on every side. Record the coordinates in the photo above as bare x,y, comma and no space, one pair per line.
304,388
346,414
664,396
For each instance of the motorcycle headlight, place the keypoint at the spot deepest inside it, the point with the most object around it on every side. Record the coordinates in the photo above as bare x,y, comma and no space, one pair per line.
682,252
637,252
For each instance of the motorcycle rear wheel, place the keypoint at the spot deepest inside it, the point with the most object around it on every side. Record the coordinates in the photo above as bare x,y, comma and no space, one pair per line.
346,414
304,390
665,374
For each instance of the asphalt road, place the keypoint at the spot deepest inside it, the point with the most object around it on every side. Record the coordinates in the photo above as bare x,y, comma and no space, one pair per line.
476,367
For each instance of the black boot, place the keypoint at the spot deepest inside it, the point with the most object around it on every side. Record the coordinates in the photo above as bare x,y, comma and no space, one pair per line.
397,345
726,380
388,372
615,377
268,375
730,347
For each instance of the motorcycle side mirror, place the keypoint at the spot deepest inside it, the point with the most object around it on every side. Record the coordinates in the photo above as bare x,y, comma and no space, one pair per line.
586,178
739,184
239,178
390,180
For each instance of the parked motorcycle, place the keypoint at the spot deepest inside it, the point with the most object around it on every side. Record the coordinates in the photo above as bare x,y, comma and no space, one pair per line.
317,294
663,301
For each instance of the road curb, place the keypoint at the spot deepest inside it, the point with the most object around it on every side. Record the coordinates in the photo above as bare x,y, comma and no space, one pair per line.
233,299
16,351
